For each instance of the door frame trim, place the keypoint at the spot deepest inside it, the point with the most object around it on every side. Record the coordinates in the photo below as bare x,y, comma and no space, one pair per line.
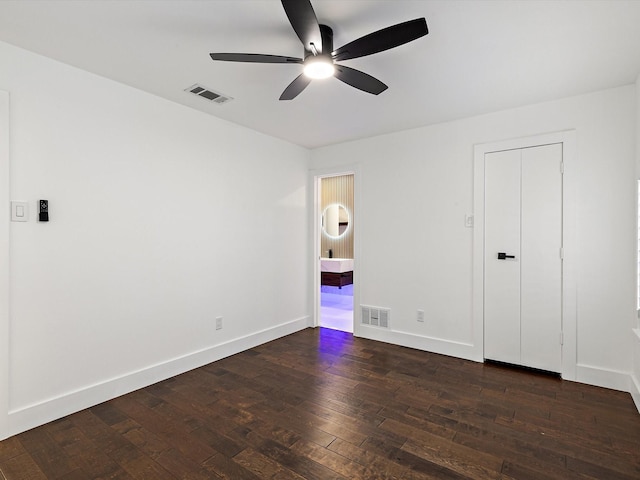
569,284
5,297
314,188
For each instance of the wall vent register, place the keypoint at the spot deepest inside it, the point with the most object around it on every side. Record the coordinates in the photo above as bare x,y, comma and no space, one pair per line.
208,94
375,316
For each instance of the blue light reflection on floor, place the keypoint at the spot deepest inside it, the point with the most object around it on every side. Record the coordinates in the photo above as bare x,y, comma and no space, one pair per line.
333,344
336,307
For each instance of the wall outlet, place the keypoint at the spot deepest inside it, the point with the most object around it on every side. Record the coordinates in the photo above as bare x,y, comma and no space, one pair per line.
218,323
420,316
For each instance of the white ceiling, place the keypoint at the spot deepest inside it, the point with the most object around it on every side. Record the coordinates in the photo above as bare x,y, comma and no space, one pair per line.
480,56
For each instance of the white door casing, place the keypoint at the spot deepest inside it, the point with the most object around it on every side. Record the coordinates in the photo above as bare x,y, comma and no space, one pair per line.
315,177
4,265
566,141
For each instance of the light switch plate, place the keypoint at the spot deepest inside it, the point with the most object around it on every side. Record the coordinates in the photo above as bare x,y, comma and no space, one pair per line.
468,220
19,211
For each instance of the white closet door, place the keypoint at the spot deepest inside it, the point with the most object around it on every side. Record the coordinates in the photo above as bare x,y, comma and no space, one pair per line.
523,220
502,277
541,276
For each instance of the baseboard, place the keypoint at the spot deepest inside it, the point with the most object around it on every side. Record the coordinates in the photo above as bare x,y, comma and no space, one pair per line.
31,416
463,350
590,375
601,377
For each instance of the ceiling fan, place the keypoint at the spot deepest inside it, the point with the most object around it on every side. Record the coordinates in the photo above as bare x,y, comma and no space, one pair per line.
320,58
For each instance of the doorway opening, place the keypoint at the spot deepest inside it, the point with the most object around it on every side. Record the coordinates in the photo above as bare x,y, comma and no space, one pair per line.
336,308
336,248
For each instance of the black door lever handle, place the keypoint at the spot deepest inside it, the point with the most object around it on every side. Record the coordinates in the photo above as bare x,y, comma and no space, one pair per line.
504,256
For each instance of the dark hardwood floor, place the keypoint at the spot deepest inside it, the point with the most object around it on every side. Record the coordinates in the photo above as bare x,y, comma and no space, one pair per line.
320,404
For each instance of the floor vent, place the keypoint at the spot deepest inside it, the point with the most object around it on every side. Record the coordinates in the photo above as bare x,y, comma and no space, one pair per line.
375,316
215,97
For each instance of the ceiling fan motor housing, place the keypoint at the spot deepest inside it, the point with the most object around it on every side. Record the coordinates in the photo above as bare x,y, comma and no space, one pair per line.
326,48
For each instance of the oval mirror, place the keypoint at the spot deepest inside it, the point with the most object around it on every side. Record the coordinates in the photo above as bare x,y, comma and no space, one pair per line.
335,220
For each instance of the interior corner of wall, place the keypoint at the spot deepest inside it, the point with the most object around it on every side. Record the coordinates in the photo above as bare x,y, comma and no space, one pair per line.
634,389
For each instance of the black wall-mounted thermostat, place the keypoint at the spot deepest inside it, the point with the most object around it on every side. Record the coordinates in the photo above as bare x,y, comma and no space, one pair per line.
44,211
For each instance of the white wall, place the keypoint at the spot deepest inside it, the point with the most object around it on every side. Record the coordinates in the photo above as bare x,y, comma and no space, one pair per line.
162,218
415,252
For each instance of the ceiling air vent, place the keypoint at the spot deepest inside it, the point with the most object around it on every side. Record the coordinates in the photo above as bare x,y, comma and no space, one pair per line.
215,97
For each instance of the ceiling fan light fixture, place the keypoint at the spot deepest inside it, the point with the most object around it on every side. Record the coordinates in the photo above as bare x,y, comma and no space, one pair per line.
319,55
319,67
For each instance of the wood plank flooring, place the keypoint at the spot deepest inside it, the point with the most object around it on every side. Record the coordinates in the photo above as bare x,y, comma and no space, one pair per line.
320,404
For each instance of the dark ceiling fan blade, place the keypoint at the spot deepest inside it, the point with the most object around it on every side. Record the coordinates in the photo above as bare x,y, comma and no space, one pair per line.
359,80
295,87
253,58
304,22
382,40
